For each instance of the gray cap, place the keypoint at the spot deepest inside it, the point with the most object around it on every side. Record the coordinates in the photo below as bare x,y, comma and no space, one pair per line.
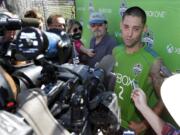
97,17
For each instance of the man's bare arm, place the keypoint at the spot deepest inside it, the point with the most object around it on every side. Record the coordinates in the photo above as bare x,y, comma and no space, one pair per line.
156,76
157,79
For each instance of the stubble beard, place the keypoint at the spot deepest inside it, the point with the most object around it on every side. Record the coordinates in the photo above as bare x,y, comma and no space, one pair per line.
98,33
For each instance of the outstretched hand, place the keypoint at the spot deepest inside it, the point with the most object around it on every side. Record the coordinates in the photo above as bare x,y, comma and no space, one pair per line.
139,99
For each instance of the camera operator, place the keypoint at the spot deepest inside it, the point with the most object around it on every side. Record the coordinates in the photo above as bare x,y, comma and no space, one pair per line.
7,39
56,24
35,14
9,24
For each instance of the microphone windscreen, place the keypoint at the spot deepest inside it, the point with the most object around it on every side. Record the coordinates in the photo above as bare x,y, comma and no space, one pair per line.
106,63
30,22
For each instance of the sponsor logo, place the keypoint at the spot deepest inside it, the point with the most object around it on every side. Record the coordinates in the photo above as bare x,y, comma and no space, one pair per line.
117,34
156,14
148,38
122,81
137,69
91,7
171,49
123,7
105,10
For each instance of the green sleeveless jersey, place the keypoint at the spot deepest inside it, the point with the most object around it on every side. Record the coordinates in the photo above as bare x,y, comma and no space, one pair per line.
130,67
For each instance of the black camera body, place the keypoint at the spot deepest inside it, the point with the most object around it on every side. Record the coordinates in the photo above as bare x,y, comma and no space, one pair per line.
81,100
76,95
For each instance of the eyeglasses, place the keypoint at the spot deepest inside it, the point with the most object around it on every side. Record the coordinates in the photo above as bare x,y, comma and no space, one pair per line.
96,24
76,29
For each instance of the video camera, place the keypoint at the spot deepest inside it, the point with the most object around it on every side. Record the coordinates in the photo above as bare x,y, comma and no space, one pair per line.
31,42
16,23
30,39
75,93
10,22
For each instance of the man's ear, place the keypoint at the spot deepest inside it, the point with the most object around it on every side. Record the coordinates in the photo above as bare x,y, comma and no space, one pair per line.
106,24
145,29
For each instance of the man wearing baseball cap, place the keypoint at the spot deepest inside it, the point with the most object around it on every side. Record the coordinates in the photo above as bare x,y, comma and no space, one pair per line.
97,18
101,42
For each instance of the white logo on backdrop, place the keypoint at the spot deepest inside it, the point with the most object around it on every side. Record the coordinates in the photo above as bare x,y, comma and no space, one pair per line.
171,49
156,14
148,38
91,7
105,10
123,7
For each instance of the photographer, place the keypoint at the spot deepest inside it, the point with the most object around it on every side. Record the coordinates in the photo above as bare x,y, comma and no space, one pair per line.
6,36
7,39
35,14
56,24
9,24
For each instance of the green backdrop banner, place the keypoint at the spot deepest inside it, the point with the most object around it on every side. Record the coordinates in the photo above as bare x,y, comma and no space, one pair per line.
163,25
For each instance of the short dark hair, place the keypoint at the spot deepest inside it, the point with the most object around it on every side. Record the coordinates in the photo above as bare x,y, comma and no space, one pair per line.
33,14
52,17
136,11
70,24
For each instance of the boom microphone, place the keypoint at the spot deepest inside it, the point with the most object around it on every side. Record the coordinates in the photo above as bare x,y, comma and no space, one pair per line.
16,23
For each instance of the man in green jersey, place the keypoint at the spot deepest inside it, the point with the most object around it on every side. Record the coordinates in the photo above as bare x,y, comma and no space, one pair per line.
136,65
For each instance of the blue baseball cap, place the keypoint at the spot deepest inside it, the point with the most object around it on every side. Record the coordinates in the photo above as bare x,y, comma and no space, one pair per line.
96,18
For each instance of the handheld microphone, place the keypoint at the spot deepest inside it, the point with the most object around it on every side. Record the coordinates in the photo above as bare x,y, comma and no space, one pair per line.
101,71
106,64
